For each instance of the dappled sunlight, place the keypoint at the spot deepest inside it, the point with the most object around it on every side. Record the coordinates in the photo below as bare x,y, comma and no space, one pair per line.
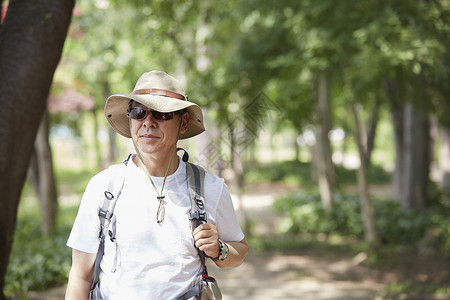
264,276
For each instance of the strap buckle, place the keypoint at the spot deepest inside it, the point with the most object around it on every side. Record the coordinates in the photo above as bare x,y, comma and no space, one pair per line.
105,214
198,216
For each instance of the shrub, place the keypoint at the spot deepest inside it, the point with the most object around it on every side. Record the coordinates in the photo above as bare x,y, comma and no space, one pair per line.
280,172
304,213
37,262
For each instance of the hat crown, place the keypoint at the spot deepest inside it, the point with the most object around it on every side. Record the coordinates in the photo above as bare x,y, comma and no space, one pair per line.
159,80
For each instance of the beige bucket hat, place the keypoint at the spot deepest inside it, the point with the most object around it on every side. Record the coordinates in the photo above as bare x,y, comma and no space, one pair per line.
158,91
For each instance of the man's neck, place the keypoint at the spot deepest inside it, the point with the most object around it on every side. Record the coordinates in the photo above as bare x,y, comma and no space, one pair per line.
158,166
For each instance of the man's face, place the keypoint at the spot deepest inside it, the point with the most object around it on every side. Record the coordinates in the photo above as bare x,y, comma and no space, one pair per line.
154,136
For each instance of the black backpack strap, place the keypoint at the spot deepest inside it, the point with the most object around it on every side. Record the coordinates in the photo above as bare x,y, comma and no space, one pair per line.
106,212
195,176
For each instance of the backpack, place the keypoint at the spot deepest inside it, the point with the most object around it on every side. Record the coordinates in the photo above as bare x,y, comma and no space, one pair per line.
206,287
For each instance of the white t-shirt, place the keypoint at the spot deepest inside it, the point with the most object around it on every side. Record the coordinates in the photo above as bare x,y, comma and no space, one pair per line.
154,261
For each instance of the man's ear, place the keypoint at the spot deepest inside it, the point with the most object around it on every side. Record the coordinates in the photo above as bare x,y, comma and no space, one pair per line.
185,122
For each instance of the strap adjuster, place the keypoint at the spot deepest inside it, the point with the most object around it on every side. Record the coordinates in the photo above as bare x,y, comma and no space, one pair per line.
105,214
197,215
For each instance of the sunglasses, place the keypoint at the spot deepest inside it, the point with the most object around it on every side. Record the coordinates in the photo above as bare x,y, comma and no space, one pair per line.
139,113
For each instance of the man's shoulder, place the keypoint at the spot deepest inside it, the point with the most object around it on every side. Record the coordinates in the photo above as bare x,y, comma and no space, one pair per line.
211,179
112,170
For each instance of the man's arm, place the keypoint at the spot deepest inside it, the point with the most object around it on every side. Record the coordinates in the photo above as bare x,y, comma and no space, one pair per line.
207,239
81,275
237,251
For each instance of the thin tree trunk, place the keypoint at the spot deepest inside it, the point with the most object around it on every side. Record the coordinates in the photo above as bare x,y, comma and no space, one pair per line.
391,88
112,135
444,158
238,170
98,151
325,169
408,186
46,186
372,130
416,158
367,212
296,148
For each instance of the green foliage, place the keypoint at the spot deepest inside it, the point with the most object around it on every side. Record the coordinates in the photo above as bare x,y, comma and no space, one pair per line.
415,289
38,262
441,228
73,181
375,174
287,242
304,213
285,171
301,173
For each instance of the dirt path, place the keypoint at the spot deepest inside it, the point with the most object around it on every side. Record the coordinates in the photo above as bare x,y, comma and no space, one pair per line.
269,276
305,274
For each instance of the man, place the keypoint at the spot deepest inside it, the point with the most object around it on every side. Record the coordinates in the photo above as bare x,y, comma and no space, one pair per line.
153,254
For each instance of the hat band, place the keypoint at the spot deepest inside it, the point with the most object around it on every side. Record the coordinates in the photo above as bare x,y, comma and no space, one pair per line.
159,92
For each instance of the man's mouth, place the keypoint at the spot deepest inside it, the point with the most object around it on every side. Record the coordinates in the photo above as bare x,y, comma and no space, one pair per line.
149,136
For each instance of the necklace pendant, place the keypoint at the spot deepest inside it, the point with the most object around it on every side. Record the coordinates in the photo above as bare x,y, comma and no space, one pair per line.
161,211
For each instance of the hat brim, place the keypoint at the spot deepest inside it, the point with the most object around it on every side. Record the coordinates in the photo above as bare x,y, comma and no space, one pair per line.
116,112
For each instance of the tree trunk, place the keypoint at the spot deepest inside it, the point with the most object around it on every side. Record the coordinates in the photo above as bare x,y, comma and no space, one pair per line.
412,140
444,158
367,212
296,147
372,130
325,169
99,164
112,135
236,150
31,41
45,183
391,88
416,157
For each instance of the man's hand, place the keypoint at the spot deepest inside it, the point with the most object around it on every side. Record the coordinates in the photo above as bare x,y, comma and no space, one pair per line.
206,239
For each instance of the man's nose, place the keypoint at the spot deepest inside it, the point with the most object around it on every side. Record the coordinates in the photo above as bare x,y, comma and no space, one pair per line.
149,120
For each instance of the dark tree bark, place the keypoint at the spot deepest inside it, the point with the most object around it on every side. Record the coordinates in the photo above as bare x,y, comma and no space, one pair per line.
31,41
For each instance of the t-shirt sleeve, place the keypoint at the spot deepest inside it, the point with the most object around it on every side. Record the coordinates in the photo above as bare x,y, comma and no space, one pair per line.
86,228
226,219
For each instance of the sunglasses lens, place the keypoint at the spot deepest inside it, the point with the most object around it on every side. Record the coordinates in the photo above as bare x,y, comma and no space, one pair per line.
162,116
138,113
